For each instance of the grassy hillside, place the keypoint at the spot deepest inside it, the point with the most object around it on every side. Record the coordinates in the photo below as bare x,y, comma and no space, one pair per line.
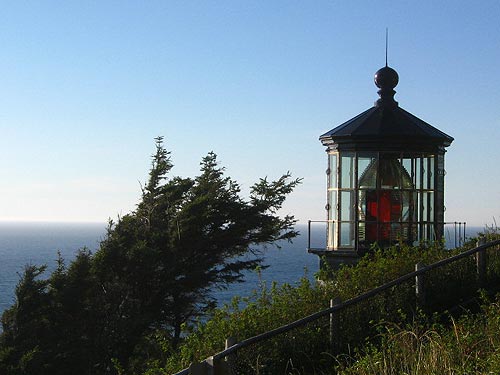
364,342
470,345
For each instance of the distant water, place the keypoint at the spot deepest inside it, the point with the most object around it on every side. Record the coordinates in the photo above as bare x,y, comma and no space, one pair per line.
38,243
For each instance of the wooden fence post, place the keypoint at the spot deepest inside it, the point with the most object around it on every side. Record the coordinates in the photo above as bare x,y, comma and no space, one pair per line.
419,286
335,326
481,262
220,366
212,365
230,341
198,368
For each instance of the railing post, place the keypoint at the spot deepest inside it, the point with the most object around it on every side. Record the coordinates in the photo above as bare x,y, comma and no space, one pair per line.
465,223
216,366
230,341
460,233
199,368
334,326
211,368
221,366
455,227
419,286
481,262
308,234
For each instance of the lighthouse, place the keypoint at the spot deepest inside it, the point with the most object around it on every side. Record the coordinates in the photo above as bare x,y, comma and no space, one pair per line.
385,178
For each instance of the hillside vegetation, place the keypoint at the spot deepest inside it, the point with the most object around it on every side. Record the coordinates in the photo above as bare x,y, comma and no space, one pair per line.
469,345
363,337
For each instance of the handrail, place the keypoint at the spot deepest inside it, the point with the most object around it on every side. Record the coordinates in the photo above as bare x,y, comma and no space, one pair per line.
351,301
309,229
457,225
347,303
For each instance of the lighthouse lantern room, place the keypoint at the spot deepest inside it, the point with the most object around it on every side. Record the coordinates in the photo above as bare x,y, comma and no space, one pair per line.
385,178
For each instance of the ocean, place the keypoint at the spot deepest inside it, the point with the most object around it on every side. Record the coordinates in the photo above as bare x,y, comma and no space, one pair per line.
38,243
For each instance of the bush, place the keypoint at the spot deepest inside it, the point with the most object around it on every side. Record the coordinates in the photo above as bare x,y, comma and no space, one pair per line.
307,349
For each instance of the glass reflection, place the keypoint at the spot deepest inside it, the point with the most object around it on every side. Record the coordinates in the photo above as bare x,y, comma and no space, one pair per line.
384,208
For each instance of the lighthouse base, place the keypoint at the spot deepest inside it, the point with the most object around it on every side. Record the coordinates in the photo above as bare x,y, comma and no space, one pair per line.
332,260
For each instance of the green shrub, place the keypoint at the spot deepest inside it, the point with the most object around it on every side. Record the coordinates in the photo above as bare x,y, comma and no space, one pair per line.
307,350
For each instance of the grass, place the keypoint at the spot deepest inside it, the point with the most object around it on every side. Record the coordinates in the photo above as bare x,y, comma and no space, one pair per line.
470,345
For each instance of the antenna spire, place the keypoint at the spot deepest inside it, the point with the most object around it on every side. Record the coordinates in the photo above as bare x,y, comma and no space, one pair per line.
386,43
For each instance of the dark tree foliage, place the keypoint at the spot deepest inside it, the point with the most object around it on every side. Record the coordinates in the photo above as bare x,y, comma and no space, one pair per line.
153,273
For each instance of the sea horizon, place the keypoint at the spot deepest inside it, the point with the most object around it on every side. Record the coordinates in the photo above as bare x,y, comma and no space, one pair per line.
38,243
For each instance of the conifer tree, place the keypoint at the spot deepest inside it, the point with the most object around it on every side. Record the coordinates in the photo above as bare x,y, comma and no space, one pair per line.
154,271
186,236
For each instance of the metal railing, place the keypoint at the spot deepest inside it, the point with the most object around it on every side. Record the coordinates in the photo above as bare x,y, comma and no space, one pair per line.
458,239
219,363
459,232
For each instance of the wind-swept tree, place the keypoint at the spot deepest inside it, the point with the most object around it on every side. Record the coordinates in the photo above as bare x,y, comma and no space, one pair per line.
154,271
186,237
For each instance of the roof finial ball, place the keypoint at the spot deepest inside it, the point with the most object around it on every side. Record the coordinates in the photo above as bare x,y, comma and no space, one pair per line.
386,77
386,80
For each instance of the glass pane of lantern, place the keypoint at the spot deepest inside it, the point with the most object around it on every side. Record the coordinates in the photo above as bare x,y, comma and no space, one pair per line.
408,202
407,166
431,172
431,206
419,206
369,205
346,234
396,206
425,173
384,207
347,170
414,206
332,205
331,234
418,173
362,205
393,175
332,166
425,206
367,171
428,232
346,206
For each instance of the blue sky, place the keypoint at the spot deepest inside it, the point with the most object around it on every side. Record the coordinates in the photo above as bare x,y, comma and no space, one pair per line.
86,86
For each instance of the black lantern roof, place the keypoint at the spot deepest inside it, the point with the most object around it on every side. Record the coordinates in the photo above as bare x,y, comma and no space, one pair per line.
386,126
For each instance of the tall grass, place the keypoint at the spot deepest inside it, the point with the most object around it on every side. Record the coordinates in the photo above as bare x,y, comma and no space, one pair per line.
470,345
